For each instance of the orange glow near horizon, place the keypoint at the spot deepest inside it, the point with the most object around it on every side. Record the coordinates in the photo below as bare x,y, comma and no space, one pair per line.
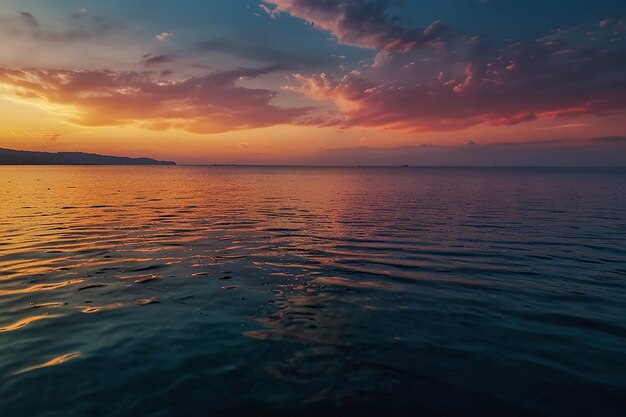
28,125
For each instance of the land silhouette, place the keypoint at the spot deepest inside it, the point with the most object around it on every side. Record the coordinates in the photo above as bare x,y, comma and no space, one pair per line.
15,157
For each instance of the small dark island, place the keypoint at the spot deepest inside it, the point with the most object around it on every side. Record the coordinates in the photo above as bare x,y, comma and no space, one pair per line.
13,157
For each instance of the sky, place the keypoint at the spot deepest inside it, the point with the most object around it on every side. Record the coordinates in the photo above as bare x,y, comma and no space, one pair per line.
318,82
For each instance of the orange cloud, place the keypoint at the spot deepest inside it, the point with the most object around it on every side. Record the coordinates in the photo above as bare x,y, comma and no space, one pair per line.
213,103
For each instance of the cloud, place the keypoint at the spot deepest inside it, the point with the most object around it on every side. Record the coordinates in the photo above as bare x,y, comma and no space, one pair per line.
273,13
82,26
150,60
29,20
562,75
611,24
78,40
52,136
610,139
363,23
79,14
163,36
435,79
565,153
212,103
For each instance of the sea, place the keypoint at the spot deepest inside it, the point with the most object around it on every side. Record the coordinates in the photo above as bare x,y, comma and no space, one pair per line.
312,291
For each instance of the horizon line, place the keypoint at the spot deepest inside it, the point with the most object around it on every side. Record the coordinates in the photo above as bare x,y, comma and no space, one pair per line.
327,166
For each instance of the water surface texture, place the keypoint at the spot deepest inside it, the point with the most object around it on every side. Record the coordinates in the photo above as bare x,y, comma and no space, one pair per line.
210,291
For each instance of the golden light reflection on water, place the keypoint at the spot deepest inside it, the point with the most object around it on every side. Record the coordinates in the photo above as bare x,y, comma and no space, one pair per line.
41,287
97,309
25,322
52,362
49,305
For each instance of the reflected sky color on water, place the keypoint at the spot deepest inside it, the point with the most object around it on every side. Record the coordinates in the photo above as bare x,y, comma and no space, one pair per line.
354,291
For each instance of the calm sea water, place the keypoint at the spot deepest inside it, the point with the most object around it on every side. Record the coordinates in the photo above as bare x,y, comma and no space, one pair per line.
210,291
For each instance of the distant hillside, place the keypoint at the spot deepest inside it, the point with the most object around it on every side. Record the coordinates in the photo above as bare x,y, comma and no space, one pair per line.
12,157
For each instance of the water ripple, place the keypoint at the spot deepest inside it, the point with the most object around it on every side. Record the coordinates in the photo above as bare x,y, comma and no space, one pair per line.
386,291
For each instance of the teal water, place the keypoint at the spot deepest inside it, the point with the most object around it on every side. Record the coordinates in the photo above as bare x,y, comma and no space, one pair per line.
232,291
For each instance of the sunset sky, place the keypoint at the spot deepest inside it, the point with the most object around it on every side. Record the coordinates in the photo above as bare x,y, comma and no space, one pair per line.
317,81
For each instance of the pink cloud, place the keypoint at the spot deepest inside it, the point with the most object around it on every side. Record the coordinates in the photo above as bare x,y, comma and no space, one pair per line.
163,36
446,90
